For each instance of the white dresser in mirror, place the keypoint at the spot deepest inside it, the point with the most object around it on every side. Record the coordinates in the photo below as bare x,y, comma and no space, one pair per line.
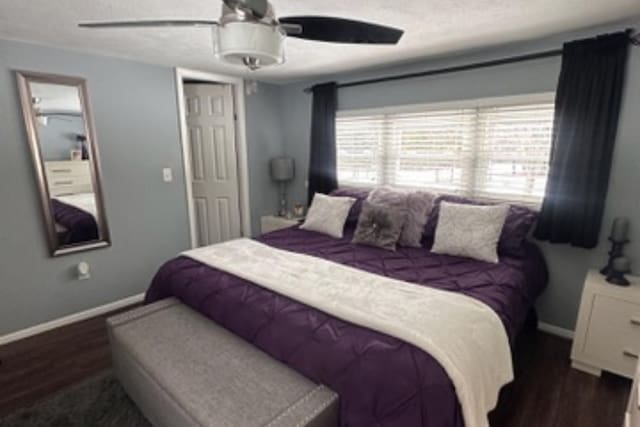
68,177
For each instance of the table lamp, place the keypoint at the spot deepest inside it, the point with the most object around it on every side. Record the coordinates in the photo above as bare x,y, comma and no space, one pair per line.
282,171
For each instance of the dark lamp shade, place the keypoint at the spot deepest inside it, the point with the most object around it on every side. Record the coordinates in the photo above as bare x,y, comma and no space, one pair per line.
282,169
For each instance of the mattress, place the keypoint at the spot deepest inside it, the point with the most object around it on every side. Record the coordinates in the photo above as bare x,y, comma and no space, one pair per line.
381,380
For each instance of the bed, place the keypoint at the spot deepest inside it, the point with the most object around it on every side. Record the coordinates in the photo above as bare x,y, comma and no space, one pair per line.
381,380
75,218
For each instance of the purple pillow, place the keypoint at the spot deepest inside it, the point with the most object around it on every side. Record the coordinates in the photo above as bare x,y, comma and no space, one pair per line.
360,194
519,221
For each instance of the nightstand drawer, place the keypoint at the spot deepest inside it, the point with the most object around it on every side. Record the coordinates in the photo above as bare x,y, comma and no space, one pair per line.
614,334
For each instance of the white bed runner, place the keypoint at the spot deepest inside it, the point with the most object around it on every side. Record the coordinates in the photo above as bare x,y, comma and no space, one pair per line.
464,335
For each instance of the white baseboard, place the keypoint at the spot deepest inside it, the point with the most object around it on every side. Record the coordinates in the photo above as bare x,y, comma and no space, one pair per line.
72,318
555,330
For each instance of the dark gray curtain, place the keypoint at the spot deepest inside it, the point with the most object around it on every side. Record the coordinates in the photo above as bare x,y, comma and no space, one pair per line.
322,161
586,119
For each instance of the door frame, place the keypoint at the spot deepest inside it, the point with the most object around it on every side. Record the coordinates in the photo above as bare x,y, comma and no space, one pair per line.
237,84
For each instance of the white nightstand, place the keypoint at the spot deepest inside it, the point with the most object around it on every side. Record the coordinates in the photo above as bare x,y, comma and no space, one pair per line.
608,330
270,223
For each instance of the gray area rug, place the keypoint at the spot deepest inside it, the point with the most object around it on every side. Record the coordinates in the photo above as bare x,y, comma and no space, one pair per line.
98,402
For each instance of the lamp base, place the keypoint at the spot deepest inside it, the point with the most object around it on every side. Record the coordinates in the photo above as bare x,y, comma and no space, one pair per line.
617,279
282,209
615,252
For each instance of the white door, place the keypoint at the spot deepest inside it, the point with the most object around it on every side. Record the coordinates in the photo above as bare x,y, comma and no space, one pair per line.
214,169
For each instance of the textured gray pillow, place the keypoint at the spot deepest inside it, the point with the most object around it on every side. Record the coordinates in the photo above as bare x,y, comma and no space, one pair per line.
379,226
414,208
394,200
469,231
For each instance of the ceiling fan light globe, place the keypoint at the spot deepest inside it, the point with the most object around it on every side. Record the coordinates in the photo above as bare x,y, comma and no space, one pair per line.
237,41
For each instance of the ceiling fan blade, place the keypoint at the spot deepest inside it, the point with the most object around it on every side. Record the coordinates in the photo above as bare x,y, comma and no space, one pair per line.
257,8
340,30
150,23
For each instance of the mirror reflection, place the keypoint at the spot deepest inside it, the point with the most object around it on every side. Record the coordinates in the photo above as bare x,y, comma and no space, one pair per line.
62,144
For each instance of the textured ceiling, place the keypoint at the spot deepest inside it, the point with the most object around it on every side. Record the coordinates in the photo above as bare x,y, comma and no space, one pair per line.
431,27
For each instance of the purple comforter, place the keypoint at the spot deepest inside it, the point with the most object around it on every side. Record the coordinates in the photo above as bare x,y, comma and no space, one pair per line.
381,380
80,226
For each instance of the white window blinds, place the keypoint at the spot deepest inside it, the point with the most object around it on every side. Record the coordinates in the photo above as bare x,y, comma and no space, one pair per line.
513,149
485,151
359,145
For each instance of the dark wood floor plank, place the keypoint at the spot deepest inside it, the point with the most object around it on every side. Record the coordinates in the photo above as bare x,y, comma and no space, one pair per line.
546,392
549,393
593,401
36,367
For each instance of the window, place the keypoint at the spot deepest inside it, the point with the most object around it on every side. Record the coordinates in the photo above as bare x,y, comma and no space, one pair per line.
491,149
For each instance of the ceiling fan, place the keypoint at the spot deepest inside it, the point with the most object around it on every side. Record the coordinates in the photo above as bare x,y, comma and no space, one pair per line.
250,34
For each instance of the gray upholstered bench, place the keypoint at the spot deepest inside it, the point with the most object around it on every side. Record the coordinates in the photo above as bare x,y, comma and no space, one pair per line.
184,370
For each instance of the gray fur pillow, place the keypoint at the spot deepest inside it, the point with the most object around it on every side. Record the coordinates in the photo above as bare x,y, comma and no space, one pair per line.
413,207
419,205
379,226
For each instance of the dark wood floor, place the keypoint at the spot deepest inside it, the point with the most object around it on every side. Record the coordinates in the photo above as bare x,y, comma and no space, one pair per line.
547,392
33,368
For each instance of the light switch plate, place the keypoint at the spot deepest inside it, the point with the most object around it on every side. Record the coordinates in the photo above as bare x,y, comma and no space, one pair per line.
167,174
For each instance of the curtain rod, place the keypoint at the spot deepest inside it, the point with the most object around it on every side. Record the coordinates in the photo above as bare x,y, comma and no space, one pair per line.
473,66
454,69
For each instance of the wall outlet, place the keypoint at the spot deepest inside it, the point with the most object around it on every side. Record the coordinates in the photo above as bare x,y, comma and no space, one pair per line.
167,175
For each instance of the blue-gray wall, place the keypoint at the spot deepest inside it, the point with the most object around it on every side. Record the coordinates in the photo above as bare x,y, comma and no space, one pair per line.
135,112
58,136
265,140
568,266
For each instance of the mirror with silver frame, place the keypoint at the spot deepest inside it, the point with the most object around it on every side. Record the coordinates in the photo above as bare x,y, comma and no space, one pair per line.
64,149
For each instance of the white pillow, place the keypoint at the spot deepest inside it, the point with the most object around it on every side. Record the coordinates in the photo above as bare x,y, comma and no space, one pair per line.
470,231
328,214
